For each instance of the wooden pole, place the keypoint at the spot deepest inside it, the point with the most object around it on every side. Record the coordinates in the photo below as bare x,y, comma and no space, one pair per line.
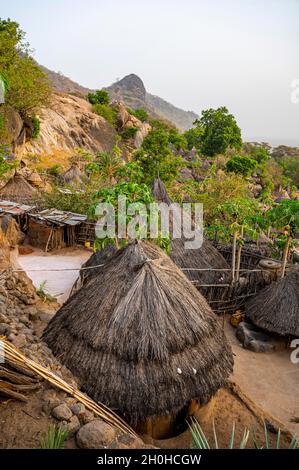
234,256
285,256
238,262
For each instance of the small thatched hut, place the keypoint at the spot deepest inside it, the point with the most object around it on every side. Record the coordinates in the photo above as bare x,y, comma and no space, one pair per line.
276,308
11,230
141,338
18,189
72,176
206,258
35,179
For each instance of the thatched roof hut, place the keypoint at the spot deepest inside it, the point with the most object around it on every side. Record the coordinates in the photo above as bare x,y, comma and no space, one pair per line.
17,189
11,229
276,308
140,337
35,179
207,257
72,176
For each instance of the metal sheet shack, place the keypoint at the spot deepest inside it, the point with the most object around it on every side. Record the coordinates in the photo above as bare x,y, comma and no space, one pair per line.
52,229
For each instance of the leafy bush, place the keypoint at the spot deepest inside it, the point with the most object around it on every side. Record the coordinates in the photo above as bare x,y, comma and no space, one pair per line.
140,114
35,127
193,137
55,170
99,97
107,112
177,139
141,196
106,164
156,159
241,165
129,133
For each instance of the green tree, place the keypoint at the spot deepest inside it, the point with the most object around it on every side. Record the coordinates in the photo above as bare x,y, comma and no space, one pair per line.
237,217
106,164
220,131
177,139
138,194
193,137
241,165
156,159
285,217
29,87
99,97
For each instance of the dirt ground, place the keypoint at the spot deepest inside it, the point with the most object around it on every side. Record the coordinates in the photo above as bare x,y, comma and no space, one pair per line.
271,380
58,283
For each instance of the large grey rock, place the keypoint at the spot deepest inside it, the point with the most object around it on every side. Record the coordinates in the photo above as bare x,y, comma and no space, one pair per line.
95,435
62,412
253,339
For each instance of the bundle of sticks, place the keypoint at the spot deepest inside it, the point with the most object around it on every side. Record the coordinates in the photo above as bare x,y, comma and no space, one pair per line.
16,379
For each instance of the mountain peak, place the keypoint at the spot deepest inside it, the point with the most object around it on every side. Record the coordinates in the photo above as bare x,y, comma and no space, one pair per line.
130,83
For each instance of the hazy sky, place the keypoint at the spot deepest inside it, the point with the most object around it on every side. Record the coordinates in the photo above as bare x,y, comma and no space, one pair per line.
243,54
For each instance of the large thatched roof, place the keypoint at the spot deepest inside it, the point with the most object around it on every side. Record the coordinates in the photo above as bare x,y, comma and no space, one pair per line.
17,189
276,308
140,337
206,257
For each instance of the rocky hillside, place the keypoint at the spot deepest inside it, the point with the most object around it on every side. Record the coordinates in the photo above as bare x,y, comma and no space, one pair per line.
70,123
65,84
132,92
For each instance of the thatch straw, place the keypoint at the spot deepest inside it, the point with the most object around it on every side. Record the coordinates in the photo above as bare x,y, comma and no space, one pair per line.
205,257
276,308
140,337
15,357
17,189
92,267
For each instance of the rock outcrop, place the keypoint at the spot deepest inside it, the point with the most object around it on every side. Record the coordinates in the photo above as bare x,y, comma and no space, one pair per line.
70,123
132,92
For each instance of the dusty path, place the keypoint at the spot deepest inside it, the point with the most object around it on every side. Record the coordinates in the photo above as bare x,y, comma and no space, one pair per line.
269,379
58,283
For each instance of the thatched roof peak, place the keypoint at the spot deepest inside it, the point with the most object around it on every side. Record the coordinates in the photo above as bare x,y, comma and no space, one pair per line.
159,191
140,337
276,308
17,189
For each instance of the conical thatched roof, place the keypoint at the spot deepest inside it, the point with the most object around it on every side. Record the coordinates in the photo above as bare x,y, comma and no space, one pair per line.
206,257
35,179
276,308
140,337
72,175
17,189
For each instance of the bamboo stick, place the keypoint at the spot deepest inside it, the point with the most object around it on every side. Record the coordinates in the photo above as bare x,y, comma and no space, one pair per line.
98,409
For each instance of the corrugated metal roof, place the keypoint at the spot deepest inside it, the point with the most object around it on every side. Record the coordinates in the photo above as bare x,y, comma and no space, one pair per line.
14,208
59,217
